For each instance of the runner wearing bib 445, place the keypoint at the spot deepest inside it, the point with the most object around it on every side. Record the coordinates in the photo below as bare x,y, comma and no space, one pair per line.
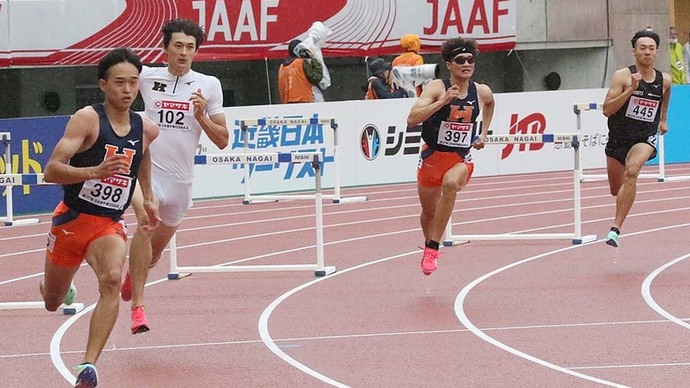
636,105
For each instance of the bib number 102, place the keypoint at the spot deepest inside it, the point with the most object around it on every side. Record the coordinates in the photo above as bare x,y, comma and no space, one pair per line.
170,117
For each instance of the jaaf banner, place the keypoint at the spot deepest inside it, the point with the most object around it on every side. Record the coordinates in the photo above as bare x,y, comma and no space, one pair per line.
80,32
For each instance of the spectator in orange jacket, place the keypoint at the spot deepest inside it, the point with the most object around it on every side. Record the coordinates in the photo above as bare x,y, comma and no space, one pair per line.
297,74
410,44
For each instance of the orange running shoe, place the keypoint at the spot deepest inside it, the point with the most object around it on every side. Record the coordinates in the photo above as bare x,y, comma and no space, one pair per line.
429,261
139,322
126,288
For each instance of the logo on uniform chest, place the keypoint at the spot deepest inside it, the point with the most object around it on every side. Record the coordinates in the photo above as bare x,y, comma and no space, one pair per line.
159,86
172,105
461,113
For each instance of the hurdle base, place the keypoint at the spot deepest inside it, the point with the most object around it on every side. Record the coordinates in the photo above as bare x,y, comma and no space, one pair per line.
324,271
257,200
585,239
28,221
66,309
178,275
674,179
318,271
293,197
72,309
520,236
452,243
351,199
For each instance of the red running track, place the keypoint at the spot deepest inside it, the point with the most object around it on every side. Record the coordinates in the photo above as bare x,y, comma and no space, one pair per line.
528,313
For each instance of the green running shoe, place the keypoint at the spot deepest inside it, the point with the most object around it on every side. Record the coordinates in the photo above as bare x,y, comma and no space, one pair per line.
71,295
612,239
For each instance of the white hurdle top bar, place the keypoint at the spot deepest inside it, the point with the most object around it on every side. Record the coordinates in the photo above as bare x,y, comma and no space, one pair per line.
289,121
534,138
588,106
22,179
265,157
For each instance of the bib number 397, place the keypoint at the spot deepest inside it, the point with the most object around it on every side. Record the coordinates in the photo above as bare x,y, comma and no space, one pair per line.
455,134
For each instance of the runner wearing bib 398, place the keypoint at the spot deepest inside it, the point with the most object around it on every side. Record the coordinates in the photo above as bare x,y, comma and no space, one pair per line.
100,159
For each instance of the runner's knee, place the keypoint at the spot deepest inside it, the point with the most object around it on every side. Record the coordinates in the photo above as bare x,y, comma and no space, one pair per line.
109,280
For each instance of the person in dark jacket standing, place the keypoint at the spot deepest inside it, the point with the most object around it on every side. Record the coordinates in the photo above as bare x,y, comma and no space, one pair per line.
298,74
378,86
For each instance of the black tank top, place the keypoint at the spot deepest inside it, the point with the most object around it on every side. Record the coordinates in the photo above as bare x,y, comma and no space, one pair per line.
465,110
109,196
639,116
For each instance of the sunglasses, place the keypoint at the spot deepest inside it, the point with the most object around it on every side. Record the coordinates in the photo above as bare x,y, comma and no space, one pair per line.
462,60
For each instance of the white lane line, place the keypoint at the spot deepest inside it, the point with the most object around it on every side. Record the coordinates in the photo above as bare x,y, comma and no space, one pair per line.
56,355
460,310
460,313
647,293
352,336
266,314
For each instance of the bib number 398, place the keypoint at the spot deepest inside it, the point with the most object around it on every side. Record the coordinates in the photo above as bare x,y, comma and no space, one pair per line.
111,193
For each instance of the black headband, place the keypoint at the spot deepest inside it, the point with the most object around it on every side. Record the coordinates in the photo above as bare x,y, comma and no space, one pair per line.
460,50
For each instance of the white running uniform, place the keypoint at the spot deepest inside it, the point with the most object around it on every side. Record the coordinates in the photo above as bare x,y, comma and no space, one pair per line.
166,99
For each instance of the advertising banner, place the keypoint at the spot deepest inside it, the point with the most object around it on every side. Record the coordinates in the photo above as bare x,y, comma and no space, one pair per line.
373,147
242,29
32,142
376,147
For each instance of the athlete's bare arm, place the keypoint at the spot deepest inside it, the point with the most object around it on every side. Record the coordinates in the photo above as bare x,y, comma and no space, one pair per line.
486,98
434,97
663,123
80,134
149,202
623,83
214,126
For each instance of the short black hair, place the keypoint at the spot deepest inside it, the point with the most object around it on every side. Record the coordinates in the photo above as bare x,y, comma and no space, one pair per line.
182,25
455,46
117,56
645,34
291,47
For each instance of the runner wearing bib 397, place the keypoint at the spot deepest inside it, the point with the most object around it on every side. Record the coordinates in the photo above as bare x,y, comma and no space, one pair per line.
448,110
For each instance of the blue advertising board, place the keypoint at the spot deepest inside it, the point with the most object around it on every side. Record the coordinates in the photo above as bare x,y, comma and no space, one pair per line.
32,142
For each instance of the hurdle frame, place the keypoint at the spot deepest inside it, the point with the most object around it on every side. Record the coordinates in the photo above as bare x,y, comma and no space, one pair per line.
332,122
661,153
11,180
319,268
576,237
66,309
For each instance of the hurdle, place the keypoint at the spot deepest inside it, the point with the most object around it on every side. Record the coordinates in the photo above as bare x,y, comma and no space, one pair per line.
660,176
319,268
66,309
576,236
9,180
336,197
